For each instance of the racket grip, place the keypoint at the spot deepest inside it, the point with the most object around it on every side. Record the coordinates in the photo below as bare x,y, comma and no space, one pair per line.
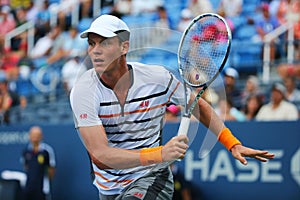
184,126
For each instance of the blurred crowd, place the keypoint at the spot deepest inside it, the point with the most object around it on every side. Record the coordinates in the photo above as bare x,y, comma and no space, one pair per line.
59,47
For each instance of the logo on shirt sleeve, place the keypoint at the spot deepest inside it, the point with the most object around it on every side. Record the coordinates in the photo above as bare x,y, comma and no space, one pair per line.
83,116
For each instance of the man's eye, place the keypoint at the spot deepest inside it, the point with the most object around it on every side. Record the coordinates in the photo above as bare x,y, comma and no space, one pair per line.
91,43
105,43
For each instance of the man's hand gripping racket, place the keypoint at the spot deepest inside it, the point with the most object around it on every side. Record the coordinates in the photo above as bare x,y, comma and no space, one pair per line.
202,54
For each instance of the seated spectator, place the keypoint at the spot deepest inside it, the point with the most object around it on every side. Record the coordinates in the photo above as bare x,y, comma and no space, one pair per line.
71,71
8,99
199,7
47,49
265,24
7,22
251,88
32,12
122,7
292,93
5,100
252,106
73,44
42,20
230,8
284,70
9,63
145,6
185,19
278,109
289,9
231,90
228,112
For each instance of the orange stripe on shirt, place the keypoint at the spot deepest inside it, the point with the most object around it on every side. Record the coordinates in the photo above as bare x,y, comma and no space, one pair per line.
174,90
114,181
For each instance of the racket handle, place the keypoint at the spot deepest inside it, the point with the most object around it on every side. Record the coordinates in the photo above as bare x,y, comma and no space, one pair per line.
184,126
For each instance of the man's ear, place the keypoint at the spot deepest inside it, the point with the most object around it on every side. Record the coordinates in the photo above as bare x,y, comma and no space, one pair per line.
125,47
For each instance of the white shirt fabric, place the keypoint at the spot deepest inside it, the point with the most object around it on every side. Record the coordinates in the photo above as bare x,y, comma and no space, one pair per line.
135,125
285,112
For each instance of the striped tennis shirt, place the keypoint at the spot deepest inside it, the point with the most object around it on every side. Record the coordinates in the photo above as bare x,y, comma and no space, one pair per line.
136,124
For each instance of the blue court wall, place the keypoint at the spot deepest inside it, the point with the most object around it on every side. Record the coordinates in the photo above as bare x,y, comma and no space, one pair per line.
214,176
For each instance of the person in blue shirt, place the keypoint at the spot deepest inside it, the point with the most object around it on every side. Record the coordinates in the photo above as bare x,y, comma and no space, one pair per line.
38,159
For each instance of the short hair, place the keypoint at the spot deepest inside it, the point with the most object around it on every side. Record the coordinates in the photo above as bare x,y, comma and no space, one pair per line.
123,35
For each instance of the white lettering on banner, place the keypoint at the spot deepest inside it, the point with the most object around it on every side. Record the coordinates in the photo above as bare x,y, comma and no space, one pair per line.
251,176
266,176
9,138
222,166
295,166
190,165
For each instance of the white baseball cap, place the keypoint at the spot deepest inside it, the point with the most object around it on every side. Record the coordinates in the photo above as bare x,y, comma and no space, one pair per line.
231,72
106,26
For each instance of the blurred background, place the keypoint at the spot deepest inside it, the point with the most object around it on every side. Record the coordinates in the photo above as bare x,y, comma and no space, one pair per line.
41,55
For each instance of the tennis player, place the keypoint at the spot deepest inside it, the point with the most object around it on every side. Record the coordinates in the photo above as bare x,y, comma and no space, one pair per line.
118,111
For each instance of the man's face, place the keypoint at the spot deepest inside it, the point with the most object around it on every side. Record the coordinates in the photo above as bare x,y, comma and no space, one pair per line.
103,52
276,96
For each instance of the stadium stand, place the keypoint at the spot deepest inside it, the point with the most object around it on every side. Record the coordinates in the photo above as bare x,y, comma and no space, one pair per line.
43,88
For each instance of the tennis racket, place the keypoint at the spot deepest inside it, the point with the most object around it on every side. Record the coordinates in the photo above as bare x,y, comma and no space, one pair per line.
202,53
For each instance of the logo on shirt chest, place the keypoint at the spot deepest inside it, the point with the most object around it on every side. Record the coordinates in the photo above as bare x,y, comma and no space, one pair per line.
144,104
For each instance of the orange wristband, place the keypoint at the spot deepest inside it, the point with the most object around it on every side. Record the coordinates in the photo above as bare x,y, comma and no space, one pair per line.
227,139
150,156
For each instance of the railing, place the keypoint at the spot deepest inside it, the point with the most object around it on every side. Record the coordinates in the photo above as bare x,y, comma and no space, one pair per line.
287,27
29,27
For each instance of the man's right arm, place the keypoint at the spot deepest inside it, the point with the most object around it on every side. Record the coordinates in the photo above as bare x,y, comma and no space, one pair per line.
104,156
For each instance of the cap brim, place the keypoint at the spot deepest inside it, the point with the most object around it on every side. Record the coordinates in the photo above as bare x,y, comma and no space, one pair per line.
102,32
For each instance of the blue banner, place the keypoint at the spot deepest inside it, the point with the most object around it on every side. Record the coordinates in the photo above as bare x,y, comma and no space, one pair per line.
210,168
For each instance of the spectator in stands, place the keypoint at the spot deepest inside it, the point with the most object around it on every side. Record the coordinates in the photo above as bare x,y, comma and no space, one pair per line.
185,18
230,8
5,100
231,75
162,23
8,99
278,109
252,106
265,24
251,88
292,93
85,8
19,42
162,19
228,112
290,9
38,159
145,6
71,71
17,3
7,22
122,7
198,7
32,12
284,70
73,44
42,23
47,49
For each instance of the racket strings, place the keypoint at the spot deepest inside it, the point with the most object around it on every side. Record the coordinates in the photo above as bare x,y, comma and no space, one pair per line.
203,50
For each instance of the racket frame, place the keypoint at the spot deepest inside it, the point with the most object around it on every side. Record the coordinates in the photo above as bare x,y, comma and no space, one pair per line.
185,120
